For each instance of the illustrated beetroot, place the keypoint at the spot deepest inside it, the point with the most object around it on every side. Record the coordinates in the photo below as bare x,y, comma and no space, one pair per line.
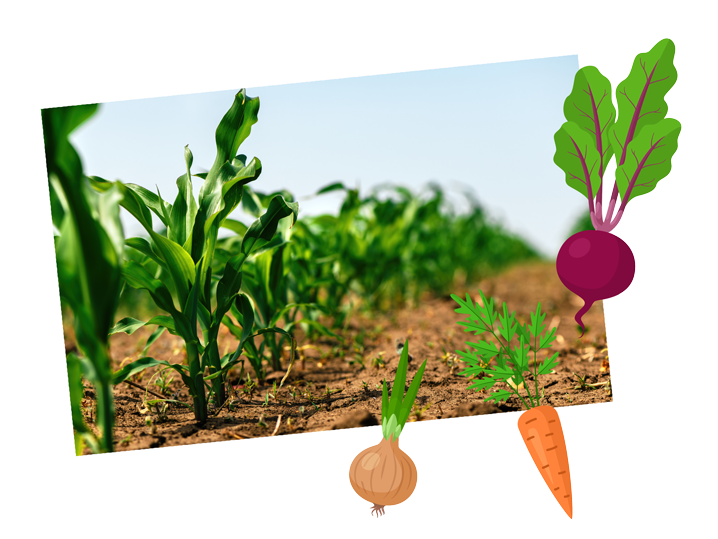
595,265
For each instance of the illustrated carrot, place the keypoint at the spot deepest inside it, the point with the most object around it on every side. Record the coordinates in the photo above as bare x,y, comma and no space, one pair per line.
541,430
539,425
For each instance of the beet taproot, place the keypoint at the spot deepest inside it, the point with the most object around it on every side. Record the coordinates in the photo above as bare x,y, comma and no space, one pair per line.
595,265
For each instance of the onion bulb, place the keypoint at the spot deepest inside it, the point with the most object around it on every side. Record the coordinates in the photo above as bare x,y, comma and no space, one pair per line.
384,474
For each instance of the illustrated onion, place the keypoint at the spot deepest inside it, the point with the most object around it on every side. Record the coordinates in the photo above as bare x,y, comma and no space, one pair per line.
383,474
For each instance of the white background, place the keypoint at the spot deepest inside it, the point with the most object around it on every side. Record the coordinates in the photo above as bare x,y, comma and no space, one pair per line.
642,466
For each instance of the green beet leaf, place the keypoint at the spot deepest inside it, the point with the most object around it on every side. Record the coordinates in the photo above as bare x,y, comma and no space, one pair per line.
578,157
591,108
649,159
641,97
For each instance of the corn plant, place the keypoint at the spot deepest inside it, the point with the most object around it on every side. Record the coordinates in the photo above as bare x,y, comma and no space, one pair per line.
267,281
182,285
390,249
88,250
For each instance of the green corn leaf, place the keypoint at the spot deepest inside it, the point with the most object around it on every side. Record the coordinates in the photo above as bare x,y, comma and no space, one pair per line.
143,246
152,338
146,362
247,317
321,328
184,209
83,433
577,156
236,331
590,106
648,160
172,257
641,97
138,277
337,186
192,304
235,127
259,233
127,325
178,263
152,202
235,226
302,306
262,230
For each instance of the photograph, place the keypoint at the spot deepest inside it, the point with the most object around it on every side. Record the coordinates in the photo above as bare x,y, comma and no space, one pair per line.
252,298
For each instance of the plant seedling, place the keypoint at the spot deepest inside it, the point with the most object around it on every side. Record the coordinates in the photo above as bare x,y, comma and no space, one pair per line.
378,361
419,412
358,360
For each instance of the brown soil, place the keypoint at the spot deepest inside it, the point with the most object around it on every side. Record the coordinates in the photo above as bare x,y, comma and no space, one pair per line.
354,399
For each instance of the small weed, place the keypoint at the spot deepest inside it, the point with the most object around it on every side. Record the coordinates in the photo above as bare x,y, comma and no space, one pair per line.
581,382
430,344
261,422
329,392
374,333
583,385
158,408
126,440
365,386
152,429
419,412
451,360
378,361
249,387
163,381
358,361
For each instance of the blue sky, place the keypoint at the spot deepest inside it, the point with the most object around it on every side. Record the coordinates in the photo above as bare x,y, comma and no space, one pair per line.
488,128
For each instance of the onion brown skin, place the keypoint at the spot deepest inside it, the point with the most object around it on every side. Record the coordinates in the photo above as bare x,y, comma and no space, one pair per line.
383,474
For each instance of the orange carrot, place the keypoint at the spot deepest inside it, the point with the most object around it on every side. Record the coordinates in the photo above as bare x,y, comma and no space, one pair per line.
541,430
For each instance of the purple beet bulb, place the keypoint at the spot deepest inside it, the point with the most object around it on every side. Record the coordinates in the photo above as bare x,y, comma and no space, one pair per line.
595,265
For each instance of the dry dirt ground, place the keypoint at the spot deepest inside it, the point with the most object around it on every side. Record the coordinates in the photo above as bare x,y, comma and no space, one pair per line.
329,387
